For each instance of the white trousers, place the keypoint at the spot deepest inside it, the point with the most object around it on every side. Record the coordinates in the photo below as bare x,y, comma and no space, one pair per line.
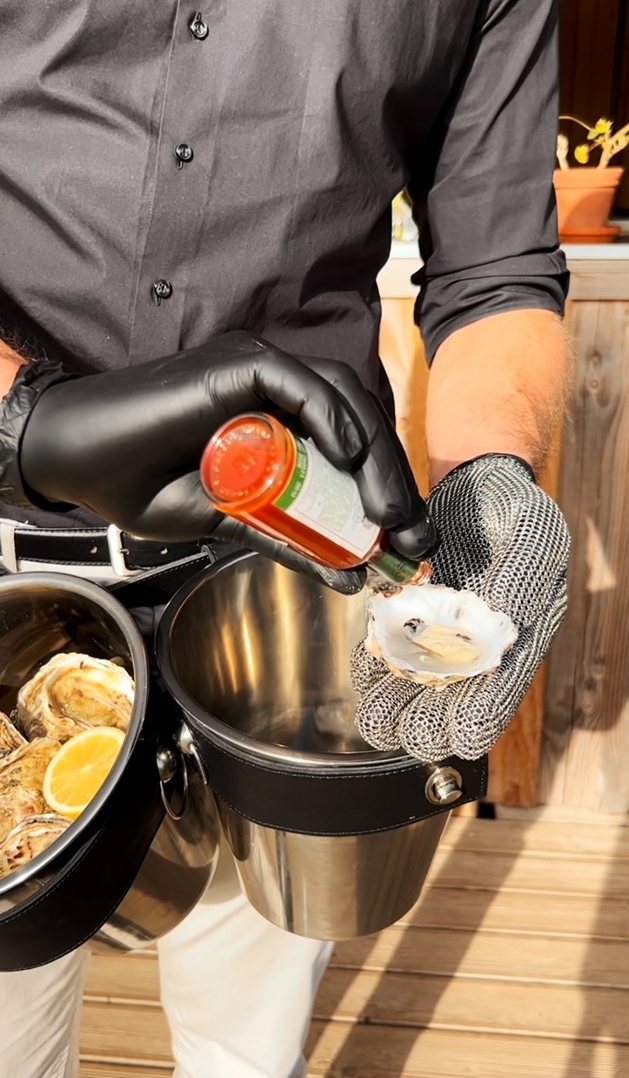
237,992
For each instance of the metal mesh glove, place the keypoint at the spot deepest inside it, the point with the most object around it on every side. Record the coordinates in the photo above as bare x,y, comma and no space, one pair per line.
506,540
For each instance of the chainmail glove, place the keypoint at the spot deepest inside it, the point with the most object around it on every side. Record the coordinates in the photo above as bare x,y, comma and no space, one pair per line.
505,539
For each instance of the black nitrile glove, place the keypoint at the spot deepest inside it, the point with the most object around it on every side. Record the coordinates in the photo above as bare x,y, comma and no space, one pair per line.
127,444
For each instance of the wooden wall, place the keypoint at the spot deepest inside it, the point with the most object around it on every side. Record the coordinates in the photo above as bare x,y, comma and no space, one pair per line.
594,65
585,752
569,743
515,762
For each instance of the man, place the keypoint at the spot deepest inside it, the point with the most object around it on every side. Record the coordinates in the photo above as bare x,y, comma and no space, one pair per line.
169,177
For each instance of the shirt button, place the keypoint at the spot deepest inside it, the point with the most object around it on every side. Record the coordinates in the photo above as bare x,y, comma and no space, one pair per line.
183,153
162,290
197,27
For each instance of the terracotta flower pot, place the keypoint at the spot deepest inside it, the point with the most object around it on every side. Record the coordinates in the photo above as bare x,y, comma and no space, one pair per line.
584,200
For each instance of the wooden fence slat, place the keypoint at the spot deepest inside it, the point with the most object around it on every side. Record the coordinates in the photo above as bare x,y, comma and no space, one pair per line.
591,281
586,730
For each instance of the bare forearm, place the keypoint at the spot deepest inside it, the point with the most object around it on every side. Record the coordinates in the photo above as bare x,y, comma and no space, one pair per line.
10,363
497,386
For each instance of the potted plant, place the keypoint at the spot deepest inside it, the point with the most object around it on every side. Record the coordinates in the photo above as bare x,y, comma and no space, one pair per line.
585,194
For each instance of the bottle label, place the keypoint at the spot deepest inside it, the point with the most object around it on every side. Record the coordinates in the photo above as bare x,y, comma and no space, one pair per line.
328,501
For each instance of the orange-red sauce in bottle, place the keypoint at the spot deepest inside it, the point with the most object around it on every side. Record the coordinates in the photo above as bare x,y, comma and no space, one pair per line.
256,470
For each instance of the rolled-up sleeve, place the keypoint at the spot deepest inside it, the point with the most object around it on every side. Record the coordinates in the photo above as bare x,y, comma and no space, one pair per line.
482,184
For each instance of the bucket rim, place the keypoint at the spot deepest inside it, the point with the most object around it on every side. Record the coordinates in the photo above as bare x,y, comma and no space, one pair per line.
101,597
237,742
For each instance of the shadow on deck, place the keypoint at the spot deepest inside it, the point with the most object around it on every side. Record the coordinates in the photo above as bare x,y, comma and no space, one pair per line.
515,962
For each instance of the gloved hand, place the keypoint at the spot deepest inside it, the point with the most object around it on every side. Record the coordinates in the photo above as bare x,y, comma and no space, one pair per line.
505,539
127,444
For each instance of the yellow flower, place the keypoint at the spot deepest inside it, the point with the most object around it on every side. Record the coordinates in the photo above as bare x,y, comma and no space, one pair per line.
582,154
603,127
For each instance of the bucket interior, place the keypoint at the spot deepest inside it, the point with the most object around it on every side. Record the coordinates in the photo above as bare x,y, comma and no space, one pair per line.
38,621
266,651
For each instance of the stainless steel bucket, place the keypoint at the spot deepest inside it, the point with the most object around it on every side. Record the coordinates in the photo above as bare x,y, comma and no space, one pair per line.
143,852
331,839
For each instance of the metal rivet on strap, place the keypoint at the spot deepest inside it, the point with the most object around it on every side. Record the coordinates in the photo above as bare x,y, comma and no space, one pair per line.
444,786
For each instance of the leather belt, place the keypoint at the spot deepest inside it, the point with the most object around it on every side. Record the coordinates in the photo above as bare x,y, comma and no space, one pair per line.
100,548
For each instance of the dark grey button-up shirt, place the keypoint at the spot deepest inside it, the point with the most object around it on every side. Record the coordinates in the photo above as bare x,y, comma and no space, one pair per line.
160,184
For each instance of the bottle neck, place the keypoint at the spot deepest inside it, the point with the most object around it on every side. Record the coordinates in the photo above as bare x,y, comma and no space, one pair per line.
398,569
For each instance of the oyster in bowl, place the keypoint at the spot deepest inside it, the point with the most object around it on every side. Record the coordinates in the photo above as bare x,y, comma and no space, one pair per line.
30,837
71,693
10,736
21,782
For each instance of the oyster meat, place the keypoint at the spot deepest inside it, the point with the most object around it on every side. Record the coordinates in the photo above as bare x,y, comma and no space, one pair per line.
30,836
71,693
10,736
435,635
21,782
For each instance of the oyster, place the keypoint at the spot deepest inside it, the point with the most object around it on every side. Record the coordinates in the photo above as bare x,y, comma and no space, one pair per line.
435,635
73,692
30,836
10,736
21,782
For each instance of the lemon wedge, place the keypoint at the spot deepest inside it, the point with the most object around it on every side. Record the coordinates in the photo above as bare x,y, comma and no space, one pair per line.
79,769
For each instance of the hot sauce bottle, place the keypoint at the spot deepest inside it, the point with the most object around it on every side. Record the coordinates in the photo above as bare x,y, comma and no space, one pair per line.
256,470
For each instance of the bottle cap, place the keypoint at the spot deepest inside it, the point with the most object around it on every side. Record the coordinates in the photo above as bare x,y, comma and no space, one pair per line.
244,462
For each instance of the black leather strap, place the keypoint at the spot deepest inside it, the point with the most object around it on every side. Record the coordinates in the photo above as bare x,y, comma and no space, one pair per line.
91,547
341,803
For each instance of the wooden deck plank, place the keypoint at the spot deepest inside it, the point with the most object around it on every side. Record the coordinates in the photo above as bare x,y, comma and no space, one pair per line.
504,911
453,1003
140,1032
124,1034
104,1069
513,957
514,962
540,836
113,977
467,869
343,1050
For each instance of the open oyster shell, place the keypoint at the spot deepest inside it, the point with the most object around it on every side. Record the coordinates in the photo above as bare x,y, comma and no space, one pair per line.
435,635
71,693
21,782
10,736
29,837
